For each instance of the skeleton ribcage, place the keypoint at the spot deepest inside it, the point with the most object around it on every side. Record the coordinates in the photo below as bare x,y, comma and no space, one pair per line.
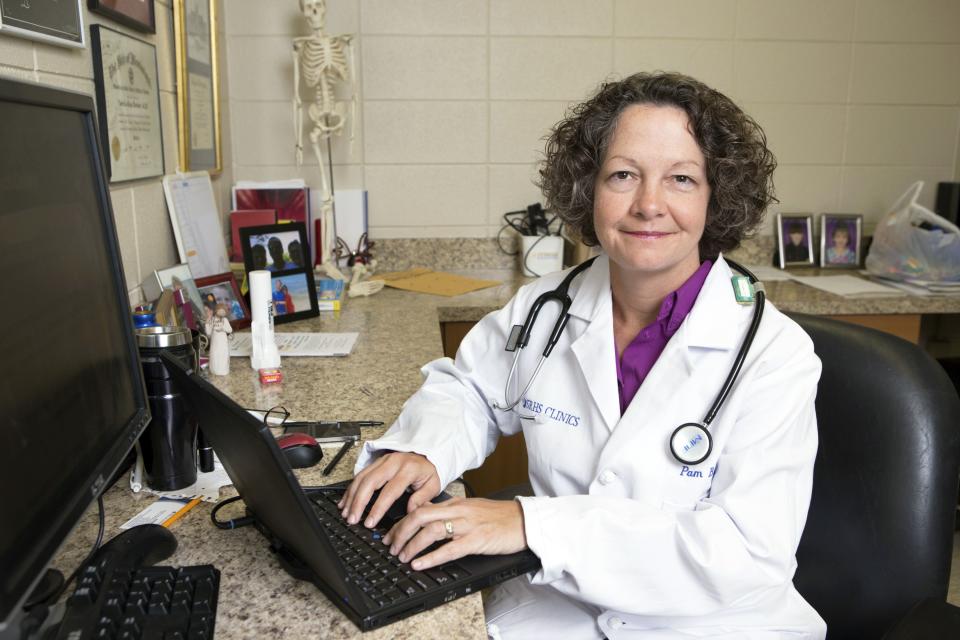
323,58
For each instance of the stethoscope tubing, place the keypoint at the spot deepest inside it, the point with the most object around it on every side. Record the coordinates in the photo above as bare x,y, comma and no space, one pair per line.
744,348
560,295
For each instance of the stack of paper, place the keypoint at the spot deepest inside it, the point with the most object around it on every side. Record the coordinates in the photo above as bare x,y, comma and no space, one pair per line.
921,288
299,344
937,287
849,286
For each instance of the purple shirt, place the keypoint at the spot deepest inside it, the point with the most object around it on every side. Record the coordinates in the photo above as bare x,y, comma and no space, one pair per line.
641,354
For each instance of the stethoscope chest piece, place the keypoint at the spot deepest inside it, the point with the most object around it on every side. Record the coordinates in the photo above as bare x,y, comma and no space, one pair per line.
691,443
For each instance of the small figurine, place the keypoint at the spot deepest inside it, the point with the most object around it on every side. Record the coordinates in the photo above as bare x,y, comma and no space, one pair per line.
218,328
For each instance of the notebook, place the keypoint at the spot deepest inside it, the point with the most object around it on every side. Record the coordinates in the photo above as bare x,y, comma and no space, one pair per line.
312,542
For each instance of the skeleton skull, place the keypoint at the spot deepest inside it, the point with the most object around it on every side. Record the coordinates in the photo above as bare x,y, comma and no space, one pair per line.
314,11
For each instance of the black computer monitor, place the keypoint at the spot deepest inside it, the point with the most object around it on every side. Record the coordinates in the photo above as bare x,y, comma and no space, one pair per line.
72,400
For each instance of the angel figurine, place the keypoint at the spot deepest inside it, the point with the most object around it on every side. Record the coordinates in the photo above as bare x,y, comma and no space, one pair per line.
322,62
218,328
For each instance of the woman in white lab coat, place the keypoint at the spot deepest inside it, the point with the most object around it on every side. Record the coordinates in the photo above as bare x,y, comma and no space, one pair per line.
664,174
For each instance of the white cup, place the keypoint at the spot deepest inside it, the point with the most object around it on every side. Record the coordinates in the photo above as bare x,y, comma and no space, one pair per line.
540,255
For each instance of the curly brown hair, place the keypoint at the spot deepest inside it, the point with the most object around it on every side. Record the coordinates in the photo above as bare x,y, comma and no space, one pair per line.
739,164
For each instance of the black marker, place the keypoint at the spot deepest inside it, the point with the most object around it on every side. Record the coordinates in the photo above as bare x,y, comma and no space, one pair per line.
336,458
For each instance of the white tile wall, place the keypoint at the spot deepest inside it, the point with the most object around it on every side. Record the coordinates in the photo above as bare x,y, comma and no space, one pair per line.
424,17
802,133
710,61
828,20
551,17
432,132
798,72
518,128
902,135
548,68
143,225
512,187
806,189
692,19
906,74
858,97
876,188
913,21
432,67
445,194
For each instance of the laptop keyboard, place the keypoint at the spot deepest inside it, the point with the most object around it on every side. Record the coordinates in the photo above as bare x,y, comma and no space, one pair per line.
367,561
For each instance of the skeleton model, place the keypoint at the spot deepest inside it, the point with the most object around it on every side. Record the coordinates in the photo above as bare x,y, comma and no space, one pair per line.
322,62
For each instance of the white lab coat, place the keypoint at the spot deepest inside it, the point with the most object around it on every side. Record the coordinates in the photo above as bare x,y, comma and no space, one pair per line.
634,544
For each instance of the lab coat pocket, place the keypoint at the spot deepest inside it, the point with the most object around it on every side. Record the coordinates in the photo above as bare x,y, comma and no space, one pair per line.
683,494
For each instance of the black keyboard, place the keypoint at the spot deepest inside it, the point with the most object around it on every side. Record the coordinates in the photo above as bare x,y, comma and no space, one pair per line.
367,561
156,603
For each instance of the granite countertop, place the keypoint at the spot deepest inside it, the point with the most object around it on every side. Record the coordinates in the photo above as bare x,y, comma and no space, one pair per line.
399,332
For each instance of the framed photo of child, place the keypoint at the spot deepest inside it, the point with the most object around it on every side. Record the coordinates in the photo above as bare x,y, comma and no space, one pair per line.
840,240
223,289
795,239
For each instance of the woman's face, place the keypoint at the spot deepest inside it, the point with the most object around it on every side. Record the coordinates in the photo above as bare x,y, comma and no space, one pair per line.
841,238
651,195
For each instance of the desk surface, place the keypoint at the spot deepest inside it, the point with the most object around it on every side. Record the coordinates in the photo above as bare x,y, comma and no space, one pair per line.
399,331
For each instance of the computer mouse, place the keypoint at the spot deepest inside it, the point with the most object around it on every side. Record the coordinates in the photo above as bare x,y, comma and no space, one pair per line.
300,450
145,544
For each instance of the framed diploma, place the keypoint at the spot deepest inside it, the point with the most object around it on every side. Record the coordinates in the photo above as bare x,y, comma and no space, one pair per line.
51,22
198,99
128,104
136,14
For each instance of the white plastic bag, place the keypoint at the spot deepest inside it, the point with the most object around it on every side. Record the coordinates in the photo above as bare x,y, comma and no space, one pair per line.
914,243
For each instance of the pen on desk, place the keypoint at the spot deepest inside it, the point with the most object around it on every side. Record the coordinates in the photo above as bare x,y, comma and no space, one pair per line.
337,457
352,423
337,423
182,512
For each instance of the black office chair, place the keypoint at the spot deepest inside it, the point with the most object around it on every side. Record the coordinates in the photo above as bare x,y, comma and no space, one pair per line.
876,550
879,535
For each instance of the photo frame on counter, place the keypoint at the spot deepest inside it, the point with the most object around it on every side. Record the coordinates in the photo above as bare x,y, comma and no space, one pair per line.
840,240
198,85
283,250
223,289
128,104
795,240
136,14
173,278
59,23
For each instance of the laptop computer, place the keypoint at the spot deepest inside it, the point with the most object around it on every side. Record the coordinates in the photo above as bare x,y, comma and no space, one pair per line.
348,563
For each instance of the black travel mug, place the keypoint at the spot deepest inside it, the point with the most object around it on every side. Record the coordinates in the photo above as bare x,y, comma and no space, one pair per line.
169,444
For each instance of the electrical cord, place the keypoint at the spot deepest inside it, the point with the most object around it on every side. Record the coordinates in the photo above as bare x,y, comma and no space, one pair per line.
96,545
522,226
235,523
38,610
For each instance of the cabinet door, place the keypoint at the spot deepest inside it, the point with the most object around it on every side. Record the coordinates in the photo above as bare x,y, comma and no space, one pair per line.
507,465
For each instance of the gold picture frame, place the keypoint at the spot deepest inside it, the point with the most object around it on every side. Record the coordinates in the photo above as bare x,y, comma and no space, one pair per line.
198,85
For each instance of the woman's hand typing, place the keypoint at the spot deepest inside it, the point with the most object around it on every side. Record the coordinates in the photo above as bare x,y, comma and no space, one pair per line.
473,525
391,473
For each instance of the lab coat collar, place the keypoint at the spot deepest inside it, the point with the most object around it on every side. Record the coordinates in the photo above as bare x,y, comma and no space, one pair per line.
594,348
594,291
713,323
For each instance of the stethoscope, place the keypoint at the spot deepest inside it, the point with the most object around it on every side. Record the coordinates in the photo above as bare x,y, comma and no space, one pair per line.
691,442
